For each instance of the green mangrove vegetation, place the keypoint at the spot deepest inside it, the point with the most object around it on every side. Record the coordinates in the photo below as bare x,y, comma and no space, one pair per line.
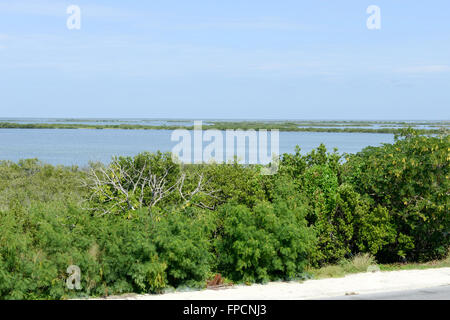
145,224
292,126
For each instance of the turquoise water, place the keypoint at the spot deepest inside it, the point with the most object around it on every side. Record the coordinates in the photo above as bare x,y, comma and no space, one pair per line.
79,146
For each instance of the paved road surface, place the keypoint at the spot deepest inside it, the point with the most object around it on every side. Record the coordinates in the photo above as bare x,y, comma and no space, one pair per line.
435,293
401,284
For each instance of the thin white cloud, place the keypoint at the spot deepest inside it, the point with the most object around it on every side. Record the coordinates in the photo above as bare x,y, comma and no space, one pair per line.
246,24
3,39
129,55
39,7
58,8
424,69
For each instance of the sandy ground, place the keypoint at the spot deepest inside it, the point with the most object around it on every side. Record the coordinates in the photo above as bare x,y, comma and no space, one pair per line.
361,283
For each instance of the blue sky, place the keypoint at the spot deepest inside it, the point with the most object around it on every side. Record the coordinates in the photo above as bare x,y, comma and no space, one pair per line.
252,59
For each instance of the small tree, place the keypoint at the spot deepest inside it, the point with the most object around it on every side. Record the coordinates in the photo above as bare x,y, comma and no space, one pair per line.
145,181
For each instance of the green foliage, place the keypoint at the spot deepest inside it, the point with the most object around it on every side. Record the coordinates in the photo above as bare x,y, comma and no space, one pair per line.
37,246
30,180
272,241
129,260
410,179
344,221
131,183
355,264
115,255
183,243
391,202
295,165
235,183
320,183
293,126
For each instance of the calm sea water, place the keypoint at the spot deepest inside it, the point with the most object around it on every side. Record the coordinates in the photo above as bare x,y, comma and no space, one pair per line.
79,146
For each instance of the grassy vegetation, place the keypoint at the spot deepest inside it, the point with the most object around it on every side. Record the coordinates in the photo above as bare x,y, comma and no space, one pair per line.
361,262
357,264
443,263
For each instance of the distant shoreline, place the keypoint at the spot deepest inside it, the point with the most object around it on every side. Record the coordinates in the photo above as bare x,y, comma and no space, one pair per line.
287,126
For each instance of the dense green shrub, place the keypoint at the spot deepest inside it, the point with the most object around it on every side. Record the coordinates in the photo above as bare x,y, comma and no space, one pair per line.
154,180
344,221
349,227
128,258
129,235
410,179
235,182
272,241
183,243
131,183
30,180
295,165
37,245
115,255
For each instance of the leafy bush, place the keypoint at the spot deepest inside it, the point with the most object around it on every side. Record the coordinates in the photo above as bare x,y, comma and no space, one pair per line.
147,223
30,180
115,255
128,258
183,243
37,246
410,179
272,241
235,182
349,226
